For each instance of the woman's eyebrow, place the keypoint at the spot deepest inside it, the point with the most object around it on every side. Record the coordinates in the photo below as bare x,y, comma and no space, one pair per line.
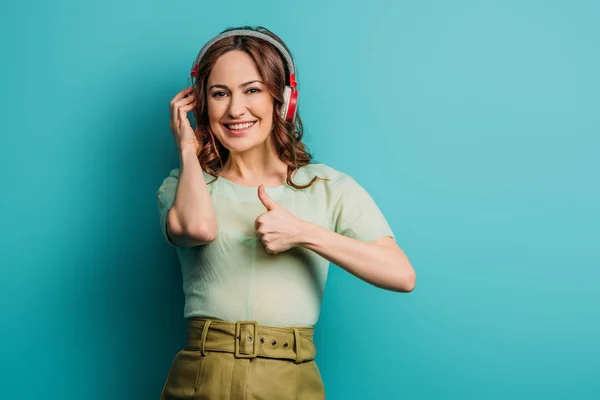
242,85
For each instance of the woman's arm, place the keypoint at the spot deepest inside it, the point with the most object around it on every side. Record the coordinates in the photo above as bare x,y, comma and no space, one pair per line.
381,263
191,218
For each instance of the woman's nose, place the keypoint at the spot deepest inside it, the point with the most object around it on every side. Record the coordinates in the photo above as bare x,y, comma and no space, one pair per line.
237,106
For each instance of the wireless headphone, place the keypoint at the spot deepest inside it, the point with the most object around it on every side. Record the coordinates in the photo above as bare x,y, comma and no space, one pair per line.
290,93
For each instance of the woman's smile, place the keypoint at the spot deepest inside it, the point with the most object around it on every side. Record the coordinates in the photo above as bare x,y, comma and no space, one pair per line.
239,129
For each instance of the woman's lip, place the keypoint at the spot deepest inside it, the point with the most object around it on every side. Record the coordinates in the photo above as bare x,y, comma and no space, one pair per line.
239,133
234,123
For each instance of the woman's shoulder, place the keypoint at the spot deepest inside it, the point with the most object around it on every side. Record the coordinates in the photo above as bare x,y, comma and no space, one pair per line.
335,177
324,171
175,174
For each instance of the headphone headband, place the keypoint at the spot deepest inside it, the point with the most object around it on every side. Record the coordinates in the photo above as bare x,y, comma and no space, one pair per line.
247,32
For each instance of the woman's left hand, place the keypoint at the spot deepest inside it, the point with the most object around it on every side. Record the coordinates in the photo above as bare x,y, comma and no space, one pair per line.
278,228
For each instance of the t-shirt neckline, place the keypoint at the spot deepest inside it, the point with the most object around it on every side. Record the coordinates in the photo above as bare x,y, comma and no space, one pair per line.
252,191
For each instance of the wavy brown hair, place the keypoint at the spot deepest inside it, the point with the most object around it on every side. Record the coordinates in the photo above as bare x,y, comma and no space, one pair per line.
273,70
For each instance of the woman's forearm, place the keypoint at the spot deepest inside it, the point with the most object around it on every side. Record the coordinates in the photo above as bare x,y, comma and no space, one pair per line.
192,212
381,266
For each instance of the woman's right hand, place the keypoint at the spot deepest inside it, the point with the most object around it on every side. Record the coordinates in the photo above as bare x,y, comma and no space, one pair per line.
184,135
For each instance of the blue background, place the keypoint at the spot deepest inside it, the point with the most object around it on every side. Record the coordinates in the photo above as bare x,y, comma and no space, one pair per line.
473,124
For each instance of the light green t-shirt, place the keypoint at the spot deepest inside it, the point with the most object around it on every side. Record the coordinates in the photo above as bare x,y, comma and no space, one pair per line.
234,278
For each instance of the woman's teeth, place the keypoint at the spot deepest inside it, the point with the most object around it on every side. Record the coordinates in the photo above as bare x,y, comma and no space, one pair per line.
238,127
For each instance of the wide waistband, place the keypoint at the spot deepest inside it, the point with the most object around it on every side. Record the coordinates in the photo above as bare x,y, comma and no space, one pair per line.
248,339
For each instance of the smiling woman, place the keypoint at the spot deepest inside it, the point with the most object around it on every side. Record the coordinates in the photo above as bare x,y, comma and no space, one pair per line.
242,79
255,243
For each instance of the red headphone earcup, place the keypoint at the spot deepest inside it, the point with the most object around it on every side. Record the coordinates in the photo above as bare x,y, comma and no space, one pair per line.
290,104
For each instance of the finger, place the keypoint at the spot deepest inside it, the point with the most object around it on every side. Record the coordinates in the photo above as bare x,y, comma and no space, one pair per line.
185,101
180,110
268,237
189,107
266,240
265,199
185,93
258,223
182,113
183,107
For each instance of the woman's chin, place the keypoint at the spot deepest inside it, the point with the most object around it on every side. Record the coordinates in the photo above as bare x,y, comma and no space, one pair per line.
240,144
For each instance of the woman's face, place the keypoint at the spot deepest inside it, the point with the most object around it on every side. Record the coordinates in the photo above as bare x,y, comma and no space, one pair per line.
240,109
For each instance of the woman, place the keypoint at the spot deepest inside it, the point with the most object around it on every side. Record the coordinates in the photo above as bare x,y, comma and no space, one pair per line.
256,225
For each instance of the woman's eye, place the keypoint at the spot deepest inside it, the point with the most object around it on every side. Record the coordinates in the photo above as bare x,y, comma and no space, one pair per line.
221,94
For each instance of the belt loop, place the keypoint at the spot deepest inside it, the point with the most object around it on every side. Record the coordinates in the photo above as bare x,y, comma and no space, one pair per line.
204,334
297,341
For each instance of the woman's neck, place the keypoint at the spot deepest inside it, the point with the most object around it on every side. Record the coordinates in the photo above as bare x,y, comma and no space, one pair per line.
255,171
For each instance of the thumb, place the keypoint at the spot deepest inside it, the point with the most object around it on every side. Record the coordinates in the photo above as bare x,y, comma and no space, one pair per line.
265,199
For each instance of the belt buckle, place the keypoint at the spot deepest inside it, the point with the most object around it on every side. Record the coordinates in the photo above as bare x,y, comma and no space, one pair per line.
238,337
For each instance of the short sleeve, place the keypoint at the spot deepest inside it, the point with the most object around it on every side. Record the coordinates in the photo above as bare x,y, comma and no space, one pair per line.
165,197
355,214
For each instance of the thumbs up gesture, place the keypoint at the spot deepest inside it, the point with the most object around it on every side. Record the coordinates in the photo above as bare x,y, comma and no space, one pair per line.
278,228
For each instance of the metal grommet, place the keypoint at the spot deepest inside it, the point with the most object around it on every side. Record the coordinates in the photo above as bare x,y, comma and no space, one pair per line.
262,340
273,343
285,345
249,338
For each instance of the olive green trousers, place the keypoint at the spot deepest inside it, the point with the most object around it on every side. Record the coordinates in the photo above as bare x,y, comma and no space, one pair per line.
246,361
